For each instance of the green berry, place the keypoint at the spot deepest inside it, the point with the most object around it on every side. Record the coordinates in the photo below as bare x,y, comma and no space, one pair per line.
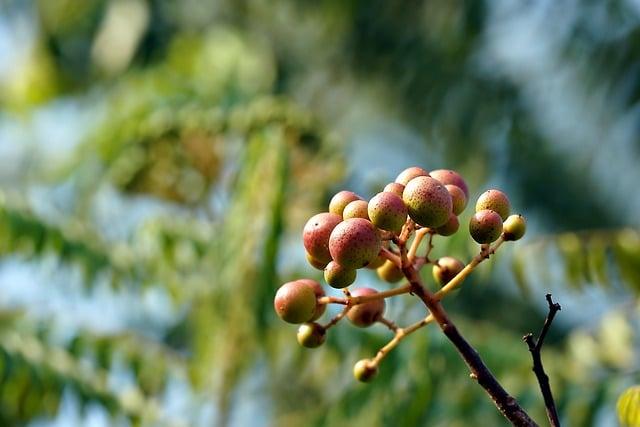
340,200
450,177
363,315
339,277
485,226
311,335
410,173
378,262
295,302
314,262
445,269
319,293
450,227
387,211
495,200
365,370
394,187
458,198
514,227
356,209
354,243
389,272
428,201
316,233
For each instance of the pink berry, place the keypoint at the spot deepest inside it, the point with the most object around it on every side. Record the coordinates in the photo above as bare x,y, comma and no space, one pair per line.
485,226
448,176
495,200
295,302
316,233
409,173
356,209
387,211
363,315
340,200
354,243
458,198
428,201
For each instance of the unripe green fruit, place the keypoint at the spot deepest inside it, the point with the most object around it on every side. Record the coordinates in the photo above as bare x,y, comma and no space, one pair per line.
449,177
365,370
378,262
316,233
339,277
340,200
394,187
295,302
387,211
458,198
311,335
363,315
428,201
356,209
314,262
389,272
445,269
485,226
409,173
496,201
450,227
354,243
514,227
319,293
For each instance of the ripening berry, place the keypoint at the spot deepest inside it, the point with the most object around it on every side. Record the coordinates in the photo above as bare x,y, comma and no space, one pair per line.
340,200
319,293
450,227
314,262
449,177
514,227
354,243
387,211
445,269
295,302
485,226
365,370
356,209
315,235
495,200
366,314
409,173
458,198
428,201
311,335
394,187
339,277
378,262
389,272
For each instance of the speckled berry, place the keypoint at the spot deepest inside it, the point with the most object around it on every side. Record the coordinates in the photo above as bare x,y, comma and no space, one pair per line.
356,209
394,187
485,226
339,277
377,262
450,227
295,302
365,370
445,269
314,262
514,227
495,200
311,335
354,243
319,293
387,211
340,200
428,201
366,314
316,233
450,177
458,198
409,173
389,272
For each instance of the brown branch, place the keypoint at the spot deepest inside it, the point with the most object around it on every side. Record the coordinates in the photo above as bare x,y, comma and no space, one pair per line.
535,346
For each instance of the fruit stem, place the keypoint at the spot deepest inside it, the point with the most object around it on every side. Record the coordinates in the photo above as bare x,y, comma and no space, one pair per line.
400,334
361,299
335,319
416,242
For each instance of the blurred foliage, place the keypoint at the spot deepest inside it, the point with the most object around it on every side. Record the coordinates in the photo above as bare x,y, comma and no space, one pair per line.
209,131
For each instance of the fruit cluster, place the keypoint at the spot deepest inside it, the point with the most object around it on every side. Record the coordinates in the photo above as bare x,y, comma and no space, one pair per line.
385,234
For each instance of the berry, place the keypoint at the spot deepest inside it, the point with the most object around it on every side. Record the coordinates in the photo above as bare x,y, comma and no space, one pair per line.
311,335
314,262
365,370
319,293
295,302
495,200
514,227
339,277
410,173
394,187
389,272
354,243
485,226
340,200
447,176
458,198
368,313
356,209
315,235
450,227
428,201
445,269
378,262
387,211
